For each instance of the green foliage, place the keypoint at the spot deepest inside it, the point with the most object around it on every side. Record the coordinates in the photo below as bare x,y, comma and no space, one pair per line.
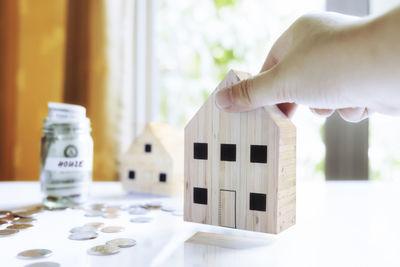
322,132
205,94
192,69
320,167
224,3
223,58
374,175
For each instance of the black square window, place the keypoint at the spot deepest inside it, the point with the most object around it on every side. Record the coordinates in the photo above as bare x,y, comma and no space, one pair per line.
200,195
258,201
200,150
258,154
147,148
162,177
228,152
131,174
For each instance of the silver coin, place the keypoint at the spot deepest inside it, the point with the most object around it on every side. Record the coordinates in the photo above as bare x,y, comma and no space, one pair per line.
103,250
85,228
177,213
138,211
8,232
93,213
124,207
122,242
141,219
83,235
112,229
133,206
44,264
167,209
34,253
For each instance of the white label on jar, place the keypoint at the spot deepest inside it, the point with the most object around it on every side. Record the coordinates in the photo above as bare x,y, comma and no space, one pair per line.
68,164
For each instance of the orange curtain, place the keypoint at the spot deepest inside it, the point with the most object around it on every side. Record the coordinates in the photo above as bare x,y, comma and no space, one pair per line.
51,51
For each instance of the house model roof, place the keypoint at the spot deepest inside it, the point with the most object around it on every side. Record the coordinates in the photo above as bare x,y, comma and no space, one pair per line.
169,137
275,113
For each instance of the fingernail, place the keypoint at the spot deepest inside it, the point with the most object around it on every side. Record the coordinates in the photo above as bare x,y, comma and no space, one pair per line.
224,98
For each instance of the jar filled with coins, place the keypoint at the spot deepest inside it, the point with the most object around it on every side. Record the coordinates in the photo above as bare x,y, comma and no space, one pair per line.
66,156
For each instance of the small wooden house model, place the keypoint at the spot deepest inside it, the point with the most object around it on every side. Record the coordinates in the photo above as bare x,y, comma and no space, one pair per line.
240,168
154,161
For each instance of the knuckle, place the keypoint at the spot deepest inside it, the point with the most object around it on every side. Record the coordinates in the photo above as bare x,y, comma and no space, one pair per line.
285,88
242,95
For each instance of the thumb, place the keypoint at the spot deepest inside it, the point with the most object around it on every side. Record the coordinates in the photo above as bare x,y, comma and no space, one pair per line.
257,91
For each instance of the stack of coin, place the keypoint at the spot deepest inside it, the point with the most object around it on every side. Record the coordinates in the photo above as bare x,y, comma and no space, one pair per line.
111,247
85,232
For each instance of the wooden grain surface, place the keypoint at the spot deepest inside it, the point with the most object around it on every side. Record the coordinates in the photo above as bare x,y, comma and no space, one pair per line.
263,126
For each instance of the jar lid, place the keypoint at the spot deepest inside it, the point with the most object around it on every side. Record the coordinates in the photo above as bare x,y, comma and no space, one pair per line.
60,112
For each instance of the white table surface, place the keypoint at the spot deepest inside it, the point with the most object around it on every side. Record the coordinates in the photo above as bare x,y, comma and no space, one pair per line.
338,224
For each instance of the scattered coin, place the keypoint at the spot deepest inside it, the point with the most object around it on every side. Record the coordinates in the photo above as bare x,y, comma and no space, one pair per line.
85,228
8,217
155,205
34,254
77,207
167,209
97,206
26,213
23,220
83,235
138,211
123,207
93,213
19,226
95,224
177,213
44,264
111,209
103,250
112,229
133,206
110,215
4,213
122,242
141,219
8,232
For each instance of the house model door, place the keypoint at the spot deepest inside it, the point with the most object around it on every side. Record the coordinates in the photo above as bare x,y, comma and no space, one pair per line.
147,180
227,208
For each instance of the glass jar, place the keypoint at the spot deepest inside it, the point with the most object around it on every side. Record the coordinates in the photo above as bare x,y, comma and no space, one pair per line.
66,156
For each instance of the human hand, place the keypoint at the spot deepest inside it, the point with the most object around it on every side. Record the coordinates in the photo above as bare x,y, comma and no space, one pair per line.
326,61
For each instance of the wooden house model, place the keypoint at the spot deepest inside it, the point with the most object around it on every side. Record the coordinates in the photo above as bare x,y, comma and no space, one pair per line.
240,168
154,161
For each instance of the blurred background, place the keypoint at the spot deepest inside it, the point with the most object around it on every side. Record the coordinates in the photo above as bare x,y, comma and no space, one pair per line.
134,61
